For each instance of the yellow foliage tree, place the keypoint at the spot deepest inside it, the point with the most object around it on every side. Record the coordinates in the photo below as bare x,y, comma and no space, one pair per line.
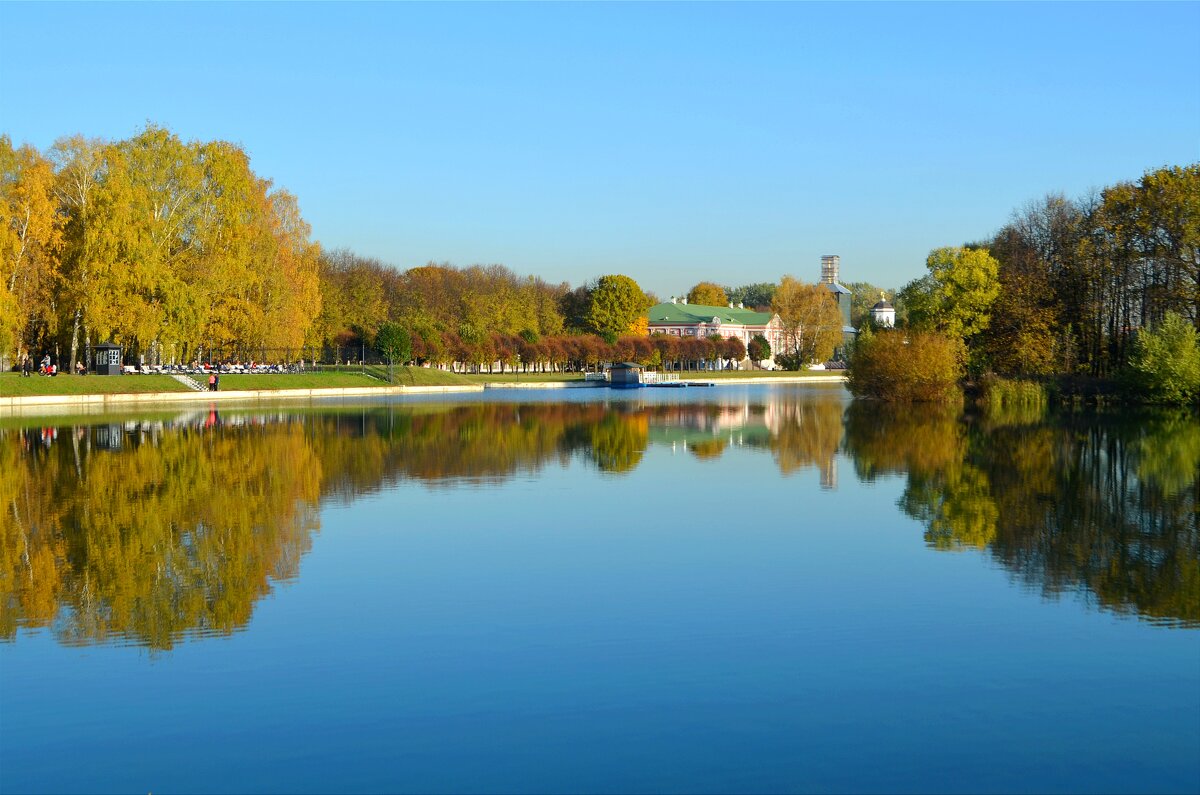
708,294
30,246
812,324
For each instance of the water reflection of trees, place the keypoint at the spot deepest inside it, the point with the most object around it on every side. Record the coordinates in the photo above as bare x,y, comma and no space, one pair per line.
149,531
170,533
146,531
1106,504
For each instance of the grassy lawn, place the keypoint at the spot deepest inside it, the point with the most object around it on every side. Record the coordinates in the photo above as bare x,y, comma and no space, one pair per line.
13,385
510,377
424,376
231,382
333,379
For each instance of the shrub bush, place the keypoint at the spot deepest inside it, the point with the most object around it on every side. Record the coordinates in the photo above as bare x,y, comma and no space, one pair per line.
906,367
1011,393
1164,365
1012,401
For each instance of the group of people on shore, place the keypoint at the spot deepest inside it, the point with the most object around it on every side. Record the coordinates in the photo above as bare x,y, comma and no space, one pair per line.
45,367
28,365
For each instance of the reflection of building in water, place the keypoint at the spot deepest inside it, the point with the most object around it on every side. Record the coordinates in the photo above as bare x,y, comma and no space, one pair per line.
829,473
803,434
108,437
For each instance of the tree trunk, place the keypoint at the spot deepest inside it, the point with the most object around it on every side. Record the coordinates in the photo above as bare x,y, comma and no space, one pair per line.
74,340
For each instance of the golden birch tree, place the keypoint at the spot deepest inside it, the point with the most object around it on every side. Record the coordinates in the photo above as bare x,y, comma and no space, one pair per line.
30,243
812,324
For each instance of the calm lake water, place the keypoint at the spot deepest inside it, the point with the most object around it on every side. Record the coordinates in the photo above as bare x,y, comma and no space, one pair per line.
743,589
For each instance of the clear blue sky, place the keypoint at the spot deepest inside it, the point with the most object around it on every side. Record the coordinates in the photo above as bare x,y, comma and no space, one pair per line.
672,142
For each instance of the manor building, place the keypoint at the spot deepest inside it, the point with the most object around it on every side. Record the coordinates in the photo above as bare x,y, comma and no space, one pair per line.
678,318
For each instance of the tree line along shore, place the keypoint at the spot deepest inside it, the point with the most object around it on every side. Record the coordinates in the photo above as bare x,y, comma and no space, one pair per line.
179,252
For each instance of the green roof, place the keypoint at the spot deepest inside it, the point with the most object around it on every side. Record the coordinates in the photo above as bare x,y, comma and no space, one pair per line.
698,313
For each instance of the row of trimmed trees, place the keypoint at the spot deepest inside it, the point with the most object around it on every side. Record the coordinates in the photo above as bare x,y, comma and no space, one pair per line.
529,352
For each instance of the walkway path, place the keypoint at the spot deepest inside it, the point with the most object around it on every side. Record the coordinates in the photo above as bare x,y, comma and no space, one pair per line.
189,382
39,403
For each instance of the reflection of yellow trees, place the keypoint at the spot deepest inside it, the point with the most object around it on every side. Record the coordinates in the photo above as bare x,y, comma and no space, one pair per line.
807,433
887,439
153,541
619,441
1112,506
946,492
956,506
29,586
181,530
477,442
708,449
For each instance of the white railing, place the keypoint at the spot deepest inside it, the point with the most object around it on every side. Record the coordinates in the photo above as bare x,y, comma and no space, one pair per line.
655,377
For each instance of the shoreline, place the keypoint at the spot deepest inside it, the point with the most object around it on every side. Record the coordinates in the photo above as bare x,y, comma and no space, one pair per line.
120,400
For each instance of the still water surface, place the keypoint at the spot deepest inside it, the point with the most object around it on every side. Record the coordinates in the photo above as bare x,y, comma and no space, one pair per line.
737,589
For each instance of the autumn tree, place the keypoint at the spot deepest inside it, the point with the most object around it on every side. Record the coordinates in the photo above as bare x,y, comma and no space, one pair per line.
1026,333
707,294
30,243
906,366
79,167
289,289
812,324
352,297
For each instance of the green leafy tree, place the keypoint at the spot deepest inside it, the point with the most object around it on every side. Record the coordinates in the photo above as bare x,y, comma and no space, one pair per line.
759,349
956,296
617,303
864,295
755,296
1164,366
573,306
394,342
